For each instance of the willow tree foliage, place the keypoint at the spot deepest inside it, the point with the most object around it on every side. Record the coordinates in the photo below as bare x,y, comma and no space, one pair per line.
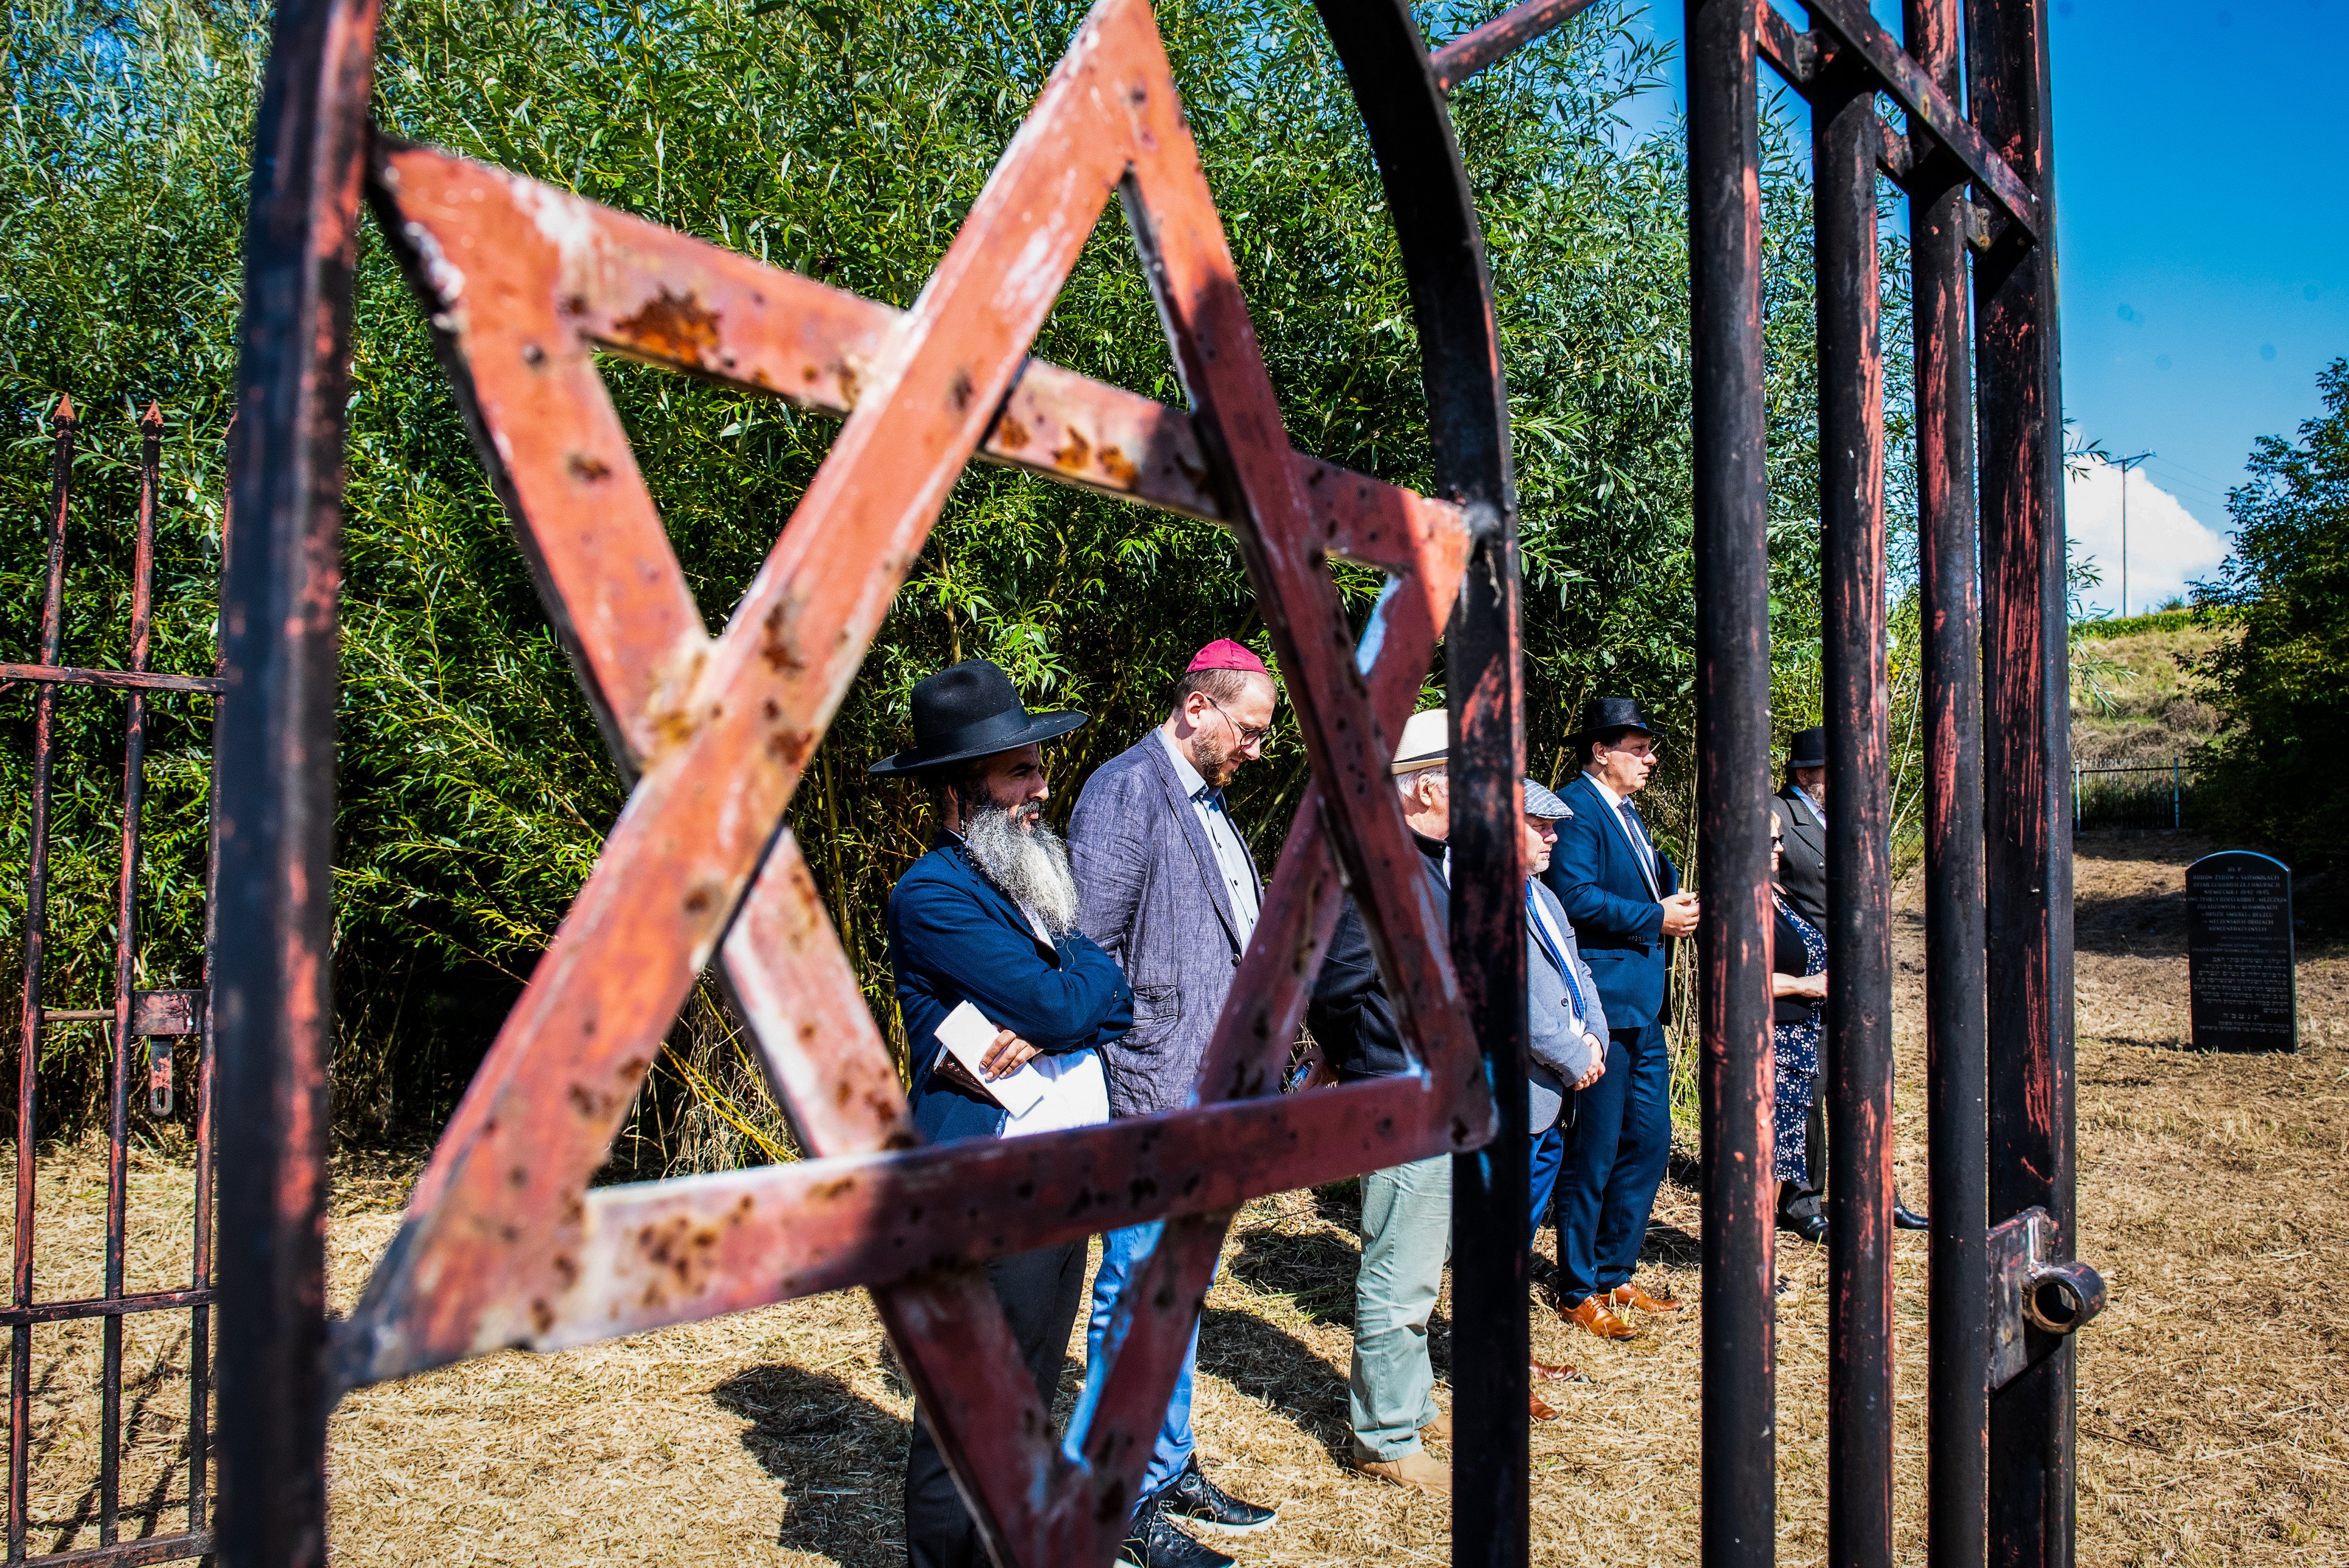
846,143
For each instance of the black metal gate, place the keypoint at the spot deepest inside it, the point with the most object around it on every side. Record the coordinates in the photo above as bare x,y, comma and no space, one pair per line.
1972,84
155,1019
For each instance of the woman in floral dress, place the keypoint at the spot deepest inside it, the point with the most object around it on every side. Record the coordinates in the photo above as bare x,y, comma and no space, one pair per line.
1798,986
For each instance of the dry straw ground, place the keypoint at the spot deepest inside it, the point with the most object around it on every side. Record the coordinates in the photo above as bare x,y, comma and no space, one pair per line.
2213,1391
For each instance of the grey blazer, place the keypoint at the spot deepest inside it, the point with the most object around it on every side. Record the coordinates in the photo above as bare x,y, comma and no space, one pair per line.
1802,868
1555,1044
1150,894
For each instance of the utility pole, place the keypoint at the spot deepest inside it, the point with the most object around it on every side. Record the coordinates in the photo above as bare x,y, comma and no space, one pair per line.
2124,464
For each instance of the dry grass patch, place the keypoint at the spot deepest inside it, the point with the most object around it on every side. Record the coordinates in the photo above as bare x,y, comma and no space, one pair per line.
2212,1391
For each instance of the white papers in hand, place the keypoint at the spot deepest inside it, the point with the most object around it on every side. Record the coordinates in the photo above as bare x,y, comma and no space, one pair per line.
967,1033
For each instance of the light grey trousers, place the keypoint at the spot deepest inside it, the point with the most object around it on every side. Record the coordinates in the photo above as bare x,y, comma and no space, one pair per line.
1406,1241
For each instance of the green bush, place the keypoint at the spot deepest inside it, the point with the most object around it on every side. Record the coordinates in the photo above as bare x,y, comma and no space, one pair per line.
845,142
2280,767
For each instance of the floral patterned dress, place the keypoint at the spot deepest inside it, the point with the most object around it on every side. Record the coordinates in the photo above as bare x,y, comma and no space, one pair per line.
1795,1048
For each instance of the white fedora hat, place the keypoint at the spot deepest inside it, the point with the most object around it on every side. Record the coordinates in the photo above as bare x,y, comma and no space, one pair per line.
1425,737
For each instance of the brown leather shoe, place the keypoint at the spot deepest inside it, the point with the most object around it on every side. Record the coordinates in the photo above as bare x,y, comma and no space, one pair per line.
1629,1294
1543,1372
1418,1470
1440,1428
1537,1411
1593,1315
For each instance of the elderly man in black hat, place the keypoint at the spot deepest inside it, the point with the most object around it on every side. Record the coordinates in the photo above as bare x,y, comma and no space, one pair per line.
988,919
1624,899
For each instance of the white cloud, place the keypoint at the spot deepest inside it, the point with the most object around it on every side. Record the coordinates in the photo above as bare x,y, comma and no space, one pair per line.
2168,544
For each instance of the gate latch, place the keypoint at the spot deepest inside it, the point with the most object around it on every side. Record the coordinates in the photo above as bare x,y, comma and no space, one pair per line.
2030,1290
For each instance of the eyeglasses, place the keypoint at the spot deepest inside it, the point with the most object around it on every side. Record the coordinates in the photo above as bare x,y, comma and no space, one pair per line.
1249,734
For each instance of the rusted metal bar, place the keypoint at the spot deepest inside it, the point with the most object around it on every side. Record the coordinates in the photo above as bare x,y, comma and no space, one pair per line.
1956,1041
62,425
130,1554
1739,1440
1909,85
126,954
273,757
1857,1039
113,1306
1427,191
118,679
2027,831
1795,56
1503,35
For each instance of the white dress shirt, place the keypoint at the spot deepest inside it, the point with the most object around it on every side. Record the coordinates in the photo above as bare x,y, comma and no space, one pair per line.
1232,861
1643,853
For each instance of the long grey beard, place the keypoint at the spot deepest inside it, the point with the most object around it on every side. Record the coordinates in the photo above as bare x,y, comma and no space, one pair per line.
1029,867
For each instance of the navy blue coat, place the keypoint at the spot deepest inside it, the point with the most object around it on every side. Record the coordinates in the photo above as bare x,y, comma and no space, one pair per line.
954,938
1618,918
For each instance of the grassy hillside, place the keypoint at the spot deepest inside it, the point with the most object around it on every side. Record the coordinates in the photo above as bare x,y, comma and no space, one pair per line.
2133,700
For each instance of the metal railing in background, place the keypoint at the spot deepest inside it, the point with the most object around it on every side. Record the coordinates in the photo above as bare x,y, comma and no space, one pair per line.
2150,797
156,1018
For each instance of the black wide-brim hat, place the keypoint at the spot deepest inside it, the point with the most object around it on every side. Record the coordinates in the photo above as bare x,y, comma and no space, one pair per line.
1603,714
969,710
1808,749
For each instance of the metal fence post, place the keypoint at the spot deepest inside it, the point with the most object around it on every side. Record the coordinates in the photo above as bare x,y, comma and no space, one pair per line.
1739,1440
1956,1039
274,755
2028,836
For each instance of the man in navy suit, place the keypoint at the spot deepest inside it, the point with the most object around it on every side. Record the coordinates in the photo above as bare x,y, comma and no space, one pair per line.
989,917
1622,895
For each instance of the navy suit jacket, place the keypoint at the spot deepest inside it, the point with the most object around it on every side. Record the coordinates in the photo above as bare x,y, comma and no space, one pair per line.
1617,918
954,938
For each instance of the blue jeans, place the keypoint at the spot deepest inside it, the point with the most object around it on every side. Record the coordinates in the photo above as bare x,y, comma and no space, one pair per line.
1548,1155
1615,1157
1123,1252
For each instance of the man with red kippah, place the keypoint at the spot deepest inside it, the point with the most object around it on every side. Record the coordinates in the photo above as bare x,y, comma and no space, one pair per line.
1166,886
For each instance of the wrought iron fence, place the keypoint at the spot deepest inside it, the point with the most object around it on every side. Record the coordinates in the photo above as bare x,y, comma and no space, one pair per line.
2153,797
144,1027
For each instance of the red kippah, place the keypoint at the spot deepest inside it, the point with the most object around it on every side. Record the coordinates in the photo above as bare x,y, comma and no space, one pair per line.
1225,654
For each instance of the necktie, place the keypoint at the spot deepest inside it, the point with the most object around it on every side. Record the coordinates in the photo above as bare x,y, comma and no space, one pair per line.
1540,929
1631,826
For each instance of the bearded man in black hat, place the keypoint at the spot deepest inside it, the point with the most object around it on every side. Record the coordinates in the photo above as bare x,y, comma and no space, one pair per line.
1623,897
988,918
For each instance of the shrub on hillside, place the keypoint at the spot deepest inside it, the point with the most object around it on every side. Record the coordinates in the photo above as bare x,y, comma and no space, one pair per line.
2284,756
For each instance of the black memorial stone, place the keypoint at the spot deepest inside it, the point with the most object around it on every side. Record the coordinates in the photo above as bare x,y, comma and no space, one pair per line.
2239,954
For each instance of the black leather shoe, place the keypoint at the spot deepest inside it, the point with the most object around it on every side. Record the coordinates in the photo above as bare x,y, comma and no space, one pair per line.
1156,1543
1811,1228
1907,1218
1192,1497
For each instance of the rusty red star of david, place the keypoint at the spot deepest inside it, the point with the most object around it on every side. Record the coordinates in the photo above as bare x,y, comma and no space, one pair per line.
504,1243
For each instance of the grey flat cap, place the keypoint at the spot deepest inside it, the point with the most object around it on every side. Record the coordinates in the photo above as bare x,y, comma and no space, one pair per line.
1542,803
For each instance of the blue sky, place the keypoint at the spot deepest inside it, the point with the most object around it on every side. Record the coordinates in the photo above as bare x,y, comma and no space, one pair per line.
2202,201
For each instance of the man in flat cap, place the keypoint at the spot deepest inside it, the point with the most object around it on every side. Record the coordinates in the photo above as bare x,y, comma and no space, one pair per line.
1566,1034
1167,887
1623,895
989,917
